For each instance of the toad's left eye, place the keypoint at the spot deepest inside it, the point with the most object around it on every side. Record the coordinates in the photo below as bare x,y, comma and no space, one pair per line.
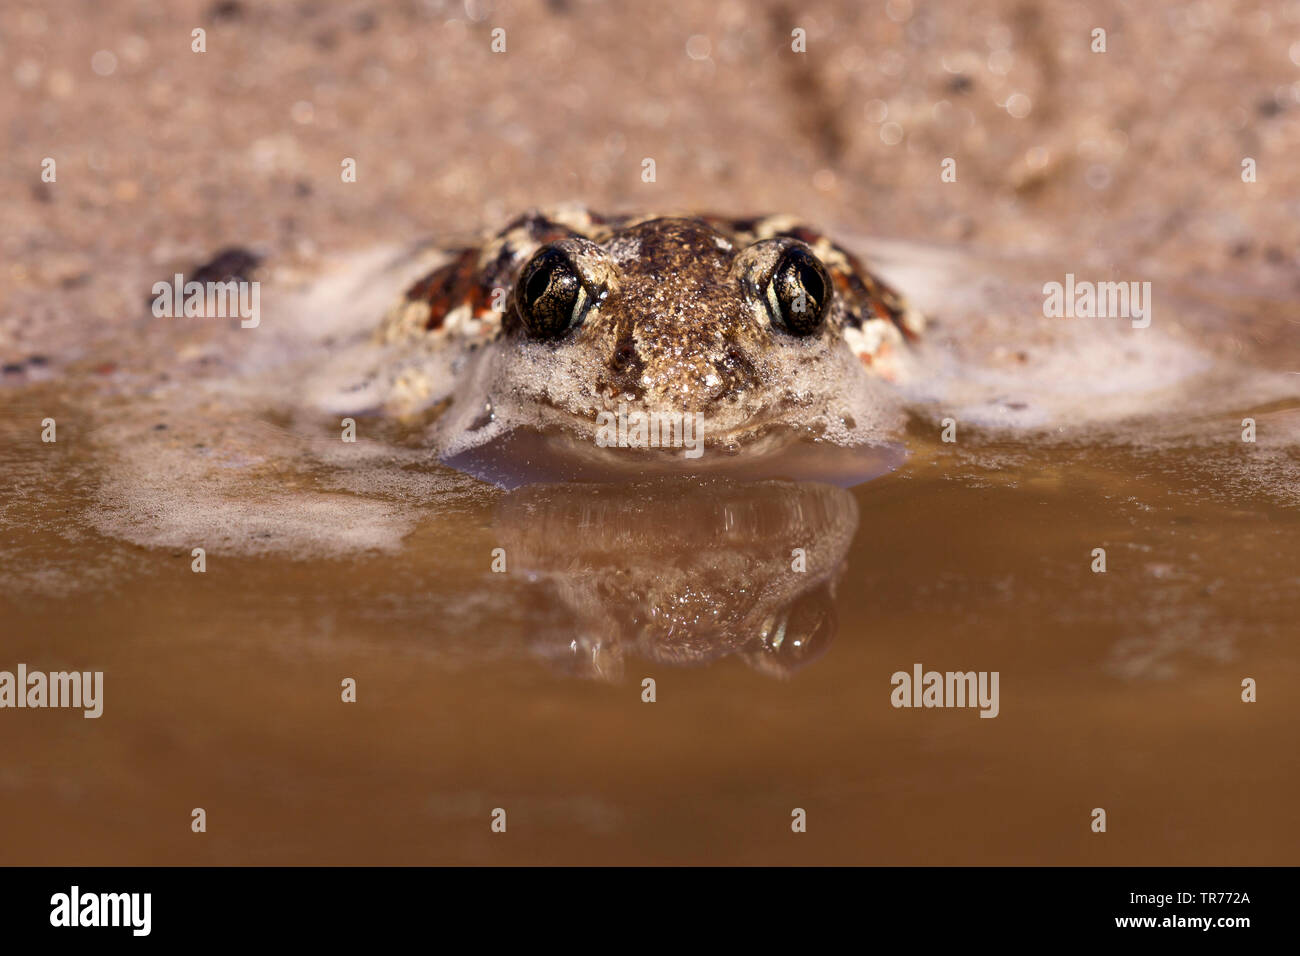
798,295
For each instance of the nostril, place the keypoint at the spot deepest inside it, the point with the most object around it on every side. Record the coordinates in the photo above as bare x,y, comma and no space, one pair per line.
738,363
734,372
624,355
626,366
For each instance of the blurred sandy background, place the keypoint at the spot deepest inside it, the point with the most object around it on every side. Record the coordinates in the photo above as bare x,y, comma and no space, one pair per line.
1131,157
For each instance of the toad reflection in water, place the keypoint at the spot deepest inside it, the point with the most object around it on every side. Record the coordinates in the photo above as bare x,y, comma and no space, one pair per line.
682,572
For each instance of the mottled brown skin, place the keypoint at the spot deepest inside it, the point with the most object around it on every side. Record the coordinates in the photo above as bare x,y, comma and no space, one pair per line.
677,320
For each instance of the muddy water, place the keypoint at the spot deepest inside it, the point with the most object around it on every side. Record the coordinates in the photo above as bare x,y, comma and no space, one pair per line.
523,689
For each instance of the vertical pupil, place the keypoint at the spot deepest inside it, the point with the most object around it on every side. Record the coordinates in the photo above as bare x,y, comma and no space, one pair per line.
810,279
549,295
540,280
801,287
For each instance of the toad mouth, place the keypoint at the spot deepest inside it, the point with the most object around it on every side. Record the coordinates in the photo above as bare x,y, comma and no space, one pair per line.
759,450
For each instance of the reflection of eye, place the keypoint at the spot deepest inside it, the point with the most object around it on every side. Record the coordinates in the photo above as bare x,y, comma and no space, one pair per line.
550,295
798,295
795,639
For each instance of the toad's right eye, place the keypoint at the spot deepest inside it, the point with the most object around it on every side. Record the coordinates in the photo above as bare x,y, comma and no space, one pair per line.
551,296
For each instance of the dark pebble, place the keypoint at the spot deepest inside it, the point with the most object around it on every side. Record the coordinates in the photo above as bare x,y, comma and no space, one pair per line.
234,263
226,10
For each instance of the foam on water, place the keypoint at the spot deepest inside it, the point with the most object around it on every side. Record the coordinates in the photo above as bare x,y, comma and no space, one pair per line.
248,458
992,359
